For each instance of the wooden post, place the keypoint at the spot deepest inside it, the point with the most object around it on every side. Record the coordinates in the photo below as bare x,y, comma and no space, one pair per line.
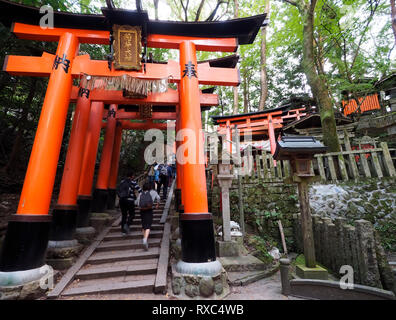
377,165
352,162
251,162
341,162
388,160
279,169
272,168
365,165
258,166
321,167
306,223
332,168
282,236
286,168
265,165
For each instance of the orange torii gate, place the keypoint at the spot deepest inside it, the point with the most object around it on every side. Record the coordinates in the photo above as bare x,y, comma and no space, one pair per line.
97,201
32,220
262,123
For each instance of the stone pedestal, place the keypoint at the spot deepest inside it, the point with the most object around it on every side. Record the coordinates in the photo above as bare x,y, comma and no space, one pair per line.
227,248
62,254
27,284
85,235
318,273
100,220
207,282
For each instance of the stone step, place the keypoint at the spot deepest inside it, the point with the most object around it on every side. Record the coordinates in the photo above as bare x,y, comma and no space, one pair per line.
135,227
126,244
392,263
138,217
126,263
116,271
155,212
115,285
132,235
138,221
122,255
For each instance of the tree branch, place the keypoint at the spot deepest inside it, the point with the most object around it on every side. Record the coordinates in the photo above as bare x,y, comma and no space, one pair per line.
199,10
212,15
293,3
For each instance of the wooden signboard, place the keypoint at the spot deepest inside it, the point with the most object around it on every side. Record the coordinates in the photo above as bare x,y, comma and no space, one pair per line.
127,47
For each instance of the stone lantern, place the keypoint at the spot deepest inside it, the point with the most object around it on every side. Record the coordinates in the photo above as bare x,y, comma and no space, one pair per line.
300,150
227,247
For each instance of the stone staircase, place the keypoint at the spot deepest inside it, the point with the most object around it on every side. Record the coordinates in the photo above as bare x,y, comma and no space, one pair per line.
119,264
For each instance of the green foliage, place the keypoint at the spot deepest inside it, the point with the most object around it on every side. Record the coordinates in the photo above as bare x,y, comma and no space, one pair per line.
293,197
387,232
262,245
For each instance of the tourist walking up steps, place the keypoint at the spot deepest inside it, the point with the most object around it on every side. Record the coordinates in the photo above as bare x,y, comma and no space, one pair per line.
163,180
151,173
126,192
156,175
145,202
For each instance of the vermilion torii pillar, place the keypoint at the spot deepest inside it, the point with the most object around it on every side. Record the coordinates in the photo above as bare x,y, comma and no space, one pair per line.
99,203
27,234
64,216
84,198
179,173
196,223
115,161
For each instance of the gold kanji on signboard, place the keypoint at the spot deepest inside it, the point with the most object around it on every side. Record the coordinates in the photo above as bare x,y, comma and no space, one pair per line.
127,47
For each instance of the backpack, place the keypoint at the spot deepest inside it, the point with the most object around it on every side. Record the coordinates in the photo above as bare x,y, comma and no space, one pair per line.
124,189
164,171
151,171
146,201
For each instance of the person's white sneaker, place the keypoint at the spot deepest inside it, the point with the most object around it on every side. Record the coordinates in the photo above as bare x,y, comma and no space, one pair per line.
145,244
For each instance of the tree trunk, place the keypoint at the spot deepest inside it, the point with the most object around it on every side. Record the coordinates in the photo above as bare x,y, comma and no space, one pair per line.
393,15
317,84
263,76
156,9
236,95
236,101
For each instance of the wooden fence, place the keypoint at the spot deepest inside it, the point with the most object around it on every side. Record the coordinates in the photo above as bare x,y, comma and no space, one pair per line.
335,166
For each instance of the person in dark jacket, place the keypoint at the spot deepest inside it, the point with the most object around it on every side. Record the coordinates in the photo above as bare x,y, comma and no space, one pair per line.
126,193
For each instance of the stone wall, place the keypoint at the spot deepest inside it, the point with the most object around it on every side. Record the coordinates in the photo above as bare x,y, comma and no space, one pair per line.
264,204
338,243
372,199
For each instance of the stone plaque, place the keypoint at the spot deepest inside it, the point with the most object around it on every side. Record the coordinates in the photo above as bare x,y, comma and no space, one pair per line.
127,47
